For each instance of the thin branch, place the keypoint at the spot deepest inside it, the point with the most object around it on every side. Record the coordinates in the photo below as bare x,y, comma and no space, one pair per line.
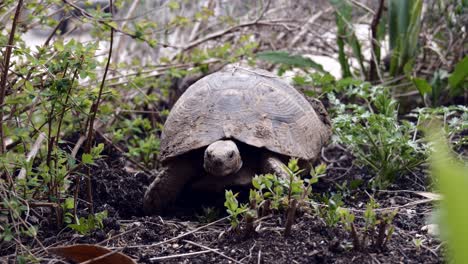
6,65
104,22
305,27
212,250
95,107
177,237
32,154
226,31
122,40
374,27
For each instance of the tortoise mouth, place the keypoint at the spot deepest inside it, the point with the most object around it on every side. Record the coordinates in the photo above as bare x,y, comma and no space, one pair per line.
221,170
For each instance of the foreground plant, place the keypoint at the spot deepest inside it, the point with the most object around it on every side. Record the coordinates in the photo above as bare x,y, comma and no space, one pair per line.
377,230
274,194
452,181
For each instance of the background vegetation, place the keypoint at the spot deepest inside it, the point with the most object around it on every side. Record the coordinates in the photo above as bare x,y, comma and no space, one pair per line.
78,76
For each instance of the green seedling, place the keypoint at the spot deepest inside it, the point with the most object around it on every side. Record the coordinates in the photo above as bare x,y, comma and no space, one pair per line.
329,212
233,208
84,225
271,193
418,243
377,230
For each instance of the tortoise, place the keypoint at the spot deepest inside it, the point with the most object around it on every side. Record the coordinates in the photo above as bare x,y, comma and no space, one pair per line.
231,125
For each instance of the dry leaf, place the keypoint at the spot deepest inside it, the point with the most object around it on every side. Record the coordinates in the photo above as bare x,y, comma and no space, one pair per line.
85,252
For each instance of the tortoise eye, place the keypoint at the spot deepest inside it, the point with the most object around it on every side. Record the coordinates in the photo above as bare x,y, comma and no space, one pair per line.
231,154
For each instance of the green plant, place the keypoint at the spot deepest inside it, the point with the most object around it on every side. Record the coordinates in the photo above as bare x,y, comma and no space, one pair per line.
443,84
404,23
346,35
233,208
329,212
418,243
288,61
455,121
377,230
274,194
280,191
208,215
86,225
375,136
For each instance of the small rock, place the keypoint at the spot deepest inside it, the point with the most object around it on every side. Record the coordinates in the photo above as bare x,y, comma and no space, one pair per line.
410,213
431,229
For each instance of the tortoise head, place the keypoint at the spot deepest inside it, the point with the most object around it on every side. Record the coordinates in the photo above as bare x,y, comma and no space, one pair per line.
222,158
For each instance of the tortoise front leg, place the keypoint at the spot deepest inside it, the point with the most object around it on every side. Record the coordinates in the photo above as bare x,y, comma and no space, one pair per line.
272,164
167,186
218,184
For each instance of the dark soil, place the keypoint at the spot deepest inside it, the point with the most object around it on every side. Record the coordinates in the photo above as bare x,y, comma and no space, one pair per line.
311,240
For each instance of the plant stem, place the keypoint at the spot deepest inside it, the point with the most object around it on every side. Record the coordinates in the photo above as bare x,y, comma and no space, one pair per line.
94,109
374,26
290,217
6,65
355,236
379,242
249,219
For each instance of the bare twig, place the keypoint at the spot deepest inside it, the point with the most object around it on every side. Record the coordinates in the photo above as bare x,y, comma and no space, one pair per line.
77,146
32,153
119,235
179,236
94,109
225,31
305,27
212,250
122,39
181,255
6,65
363,6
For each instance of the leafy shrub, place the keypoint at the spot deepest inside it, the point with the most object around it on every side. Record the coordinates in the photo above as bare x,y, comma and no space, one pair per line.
375,136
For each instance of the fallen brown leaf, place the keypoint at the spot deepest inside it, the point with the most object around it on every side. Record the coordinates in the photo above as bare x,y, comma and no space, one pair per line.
91,254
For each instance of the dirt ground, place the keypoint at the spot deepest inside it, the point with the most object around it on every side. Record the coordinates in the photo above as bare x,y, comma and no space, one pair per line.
188,235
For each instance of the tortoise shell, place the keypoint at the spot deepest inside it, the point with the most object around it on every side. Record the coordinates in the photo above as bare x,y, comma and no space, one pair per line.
251,106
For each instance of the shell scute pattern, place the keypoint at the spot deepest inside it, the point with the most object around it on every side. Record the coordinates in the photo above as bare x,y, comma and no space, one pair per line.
249,106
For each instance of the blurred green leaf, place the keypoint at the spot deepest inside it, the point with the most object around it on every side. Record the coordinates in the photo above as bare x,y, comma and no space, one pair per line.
452,178
404,24
342,16
87,158
282,57
423,86
459,74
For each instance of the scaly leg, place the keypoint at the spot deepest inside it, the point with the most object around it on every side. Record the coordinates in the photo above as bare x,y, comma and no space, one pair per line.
167,186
